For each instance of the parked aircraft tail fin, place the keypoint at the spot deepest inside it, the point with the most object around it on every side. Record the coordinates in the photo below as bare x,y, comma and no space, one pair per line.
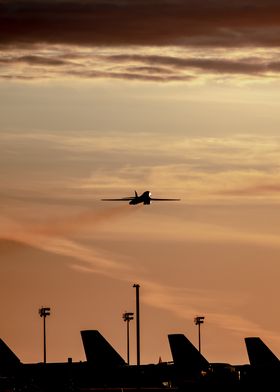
185,355
99,351
259,354
8,358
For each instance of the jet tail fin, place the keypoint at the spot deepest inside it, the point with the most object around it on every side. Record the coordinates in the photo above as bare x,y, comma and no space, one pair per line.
8,358
259,354
185,355
136,194
99,351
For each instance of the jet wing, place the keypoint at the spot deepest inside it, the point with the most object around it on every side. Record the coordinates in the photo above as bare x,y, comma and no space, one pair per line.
123,199
152,198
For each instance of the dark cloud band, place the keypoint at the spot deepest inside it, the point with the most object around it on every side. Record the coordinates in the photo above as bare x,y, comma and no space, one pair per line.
141,22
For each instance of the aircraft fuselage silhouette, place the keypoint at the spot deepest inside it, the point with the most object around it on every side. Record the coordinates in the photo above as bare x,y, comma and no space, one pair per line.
103,368
192,368
145,198
264,368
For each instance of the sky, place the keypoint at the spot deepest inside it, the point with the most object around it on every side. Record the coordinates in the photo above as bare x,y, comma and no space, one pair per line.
100,98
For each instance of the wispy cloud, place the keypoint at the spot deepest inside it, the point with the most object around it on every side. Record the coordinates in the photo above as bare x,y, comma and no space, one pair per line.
181,301
233,169
185,303
155,40
57,236
167,64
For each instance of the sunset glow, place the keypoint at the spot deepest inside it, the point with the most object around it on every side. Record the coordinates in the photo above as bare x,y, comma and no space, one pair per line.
101,98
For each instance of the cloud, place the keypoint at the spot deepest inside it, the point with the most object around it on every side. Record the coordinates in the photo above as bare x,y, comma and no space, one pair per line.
185,303
211,65
71,224
147,74
181,301
149,64
55,236
55,62
40,60
196,169
260,189
138,40
140,22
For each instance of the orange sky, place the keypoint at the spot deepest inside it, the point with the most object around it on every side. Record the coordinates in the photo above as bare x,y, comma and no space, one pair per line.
101,113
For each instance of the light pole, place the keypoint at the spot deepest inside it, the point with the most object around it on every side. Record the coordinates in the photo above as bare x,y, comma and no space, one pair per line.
199,320
137,286
44,312
127,317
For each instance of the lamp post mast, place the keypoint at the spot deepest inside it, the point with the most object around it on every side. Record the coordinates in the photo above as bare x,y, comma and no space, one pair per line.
44,312
127,317
137,286
199,320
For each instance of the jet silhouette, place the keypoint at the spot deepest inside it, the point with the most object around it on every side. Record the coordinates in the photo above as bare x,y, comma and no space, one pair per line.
103,368
145,198
259,354
264,368
192,369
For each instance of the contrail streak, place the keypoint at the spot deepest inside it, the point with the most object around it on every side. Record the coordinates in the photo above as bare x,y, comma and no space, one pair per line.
71,224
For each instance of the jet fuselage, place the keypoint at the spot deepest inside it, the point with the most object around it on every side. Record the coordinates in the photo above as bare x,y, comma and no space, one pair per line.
145,198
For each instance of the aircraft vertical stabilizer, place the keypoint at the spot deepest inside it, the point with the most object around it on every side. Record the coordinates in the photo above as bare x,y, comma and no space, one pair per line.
185,355
259,354
99,351
8,358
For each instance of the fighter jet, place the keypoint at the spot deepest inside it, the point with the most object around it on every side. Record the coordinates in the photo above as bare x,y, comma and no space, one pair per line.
145,198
